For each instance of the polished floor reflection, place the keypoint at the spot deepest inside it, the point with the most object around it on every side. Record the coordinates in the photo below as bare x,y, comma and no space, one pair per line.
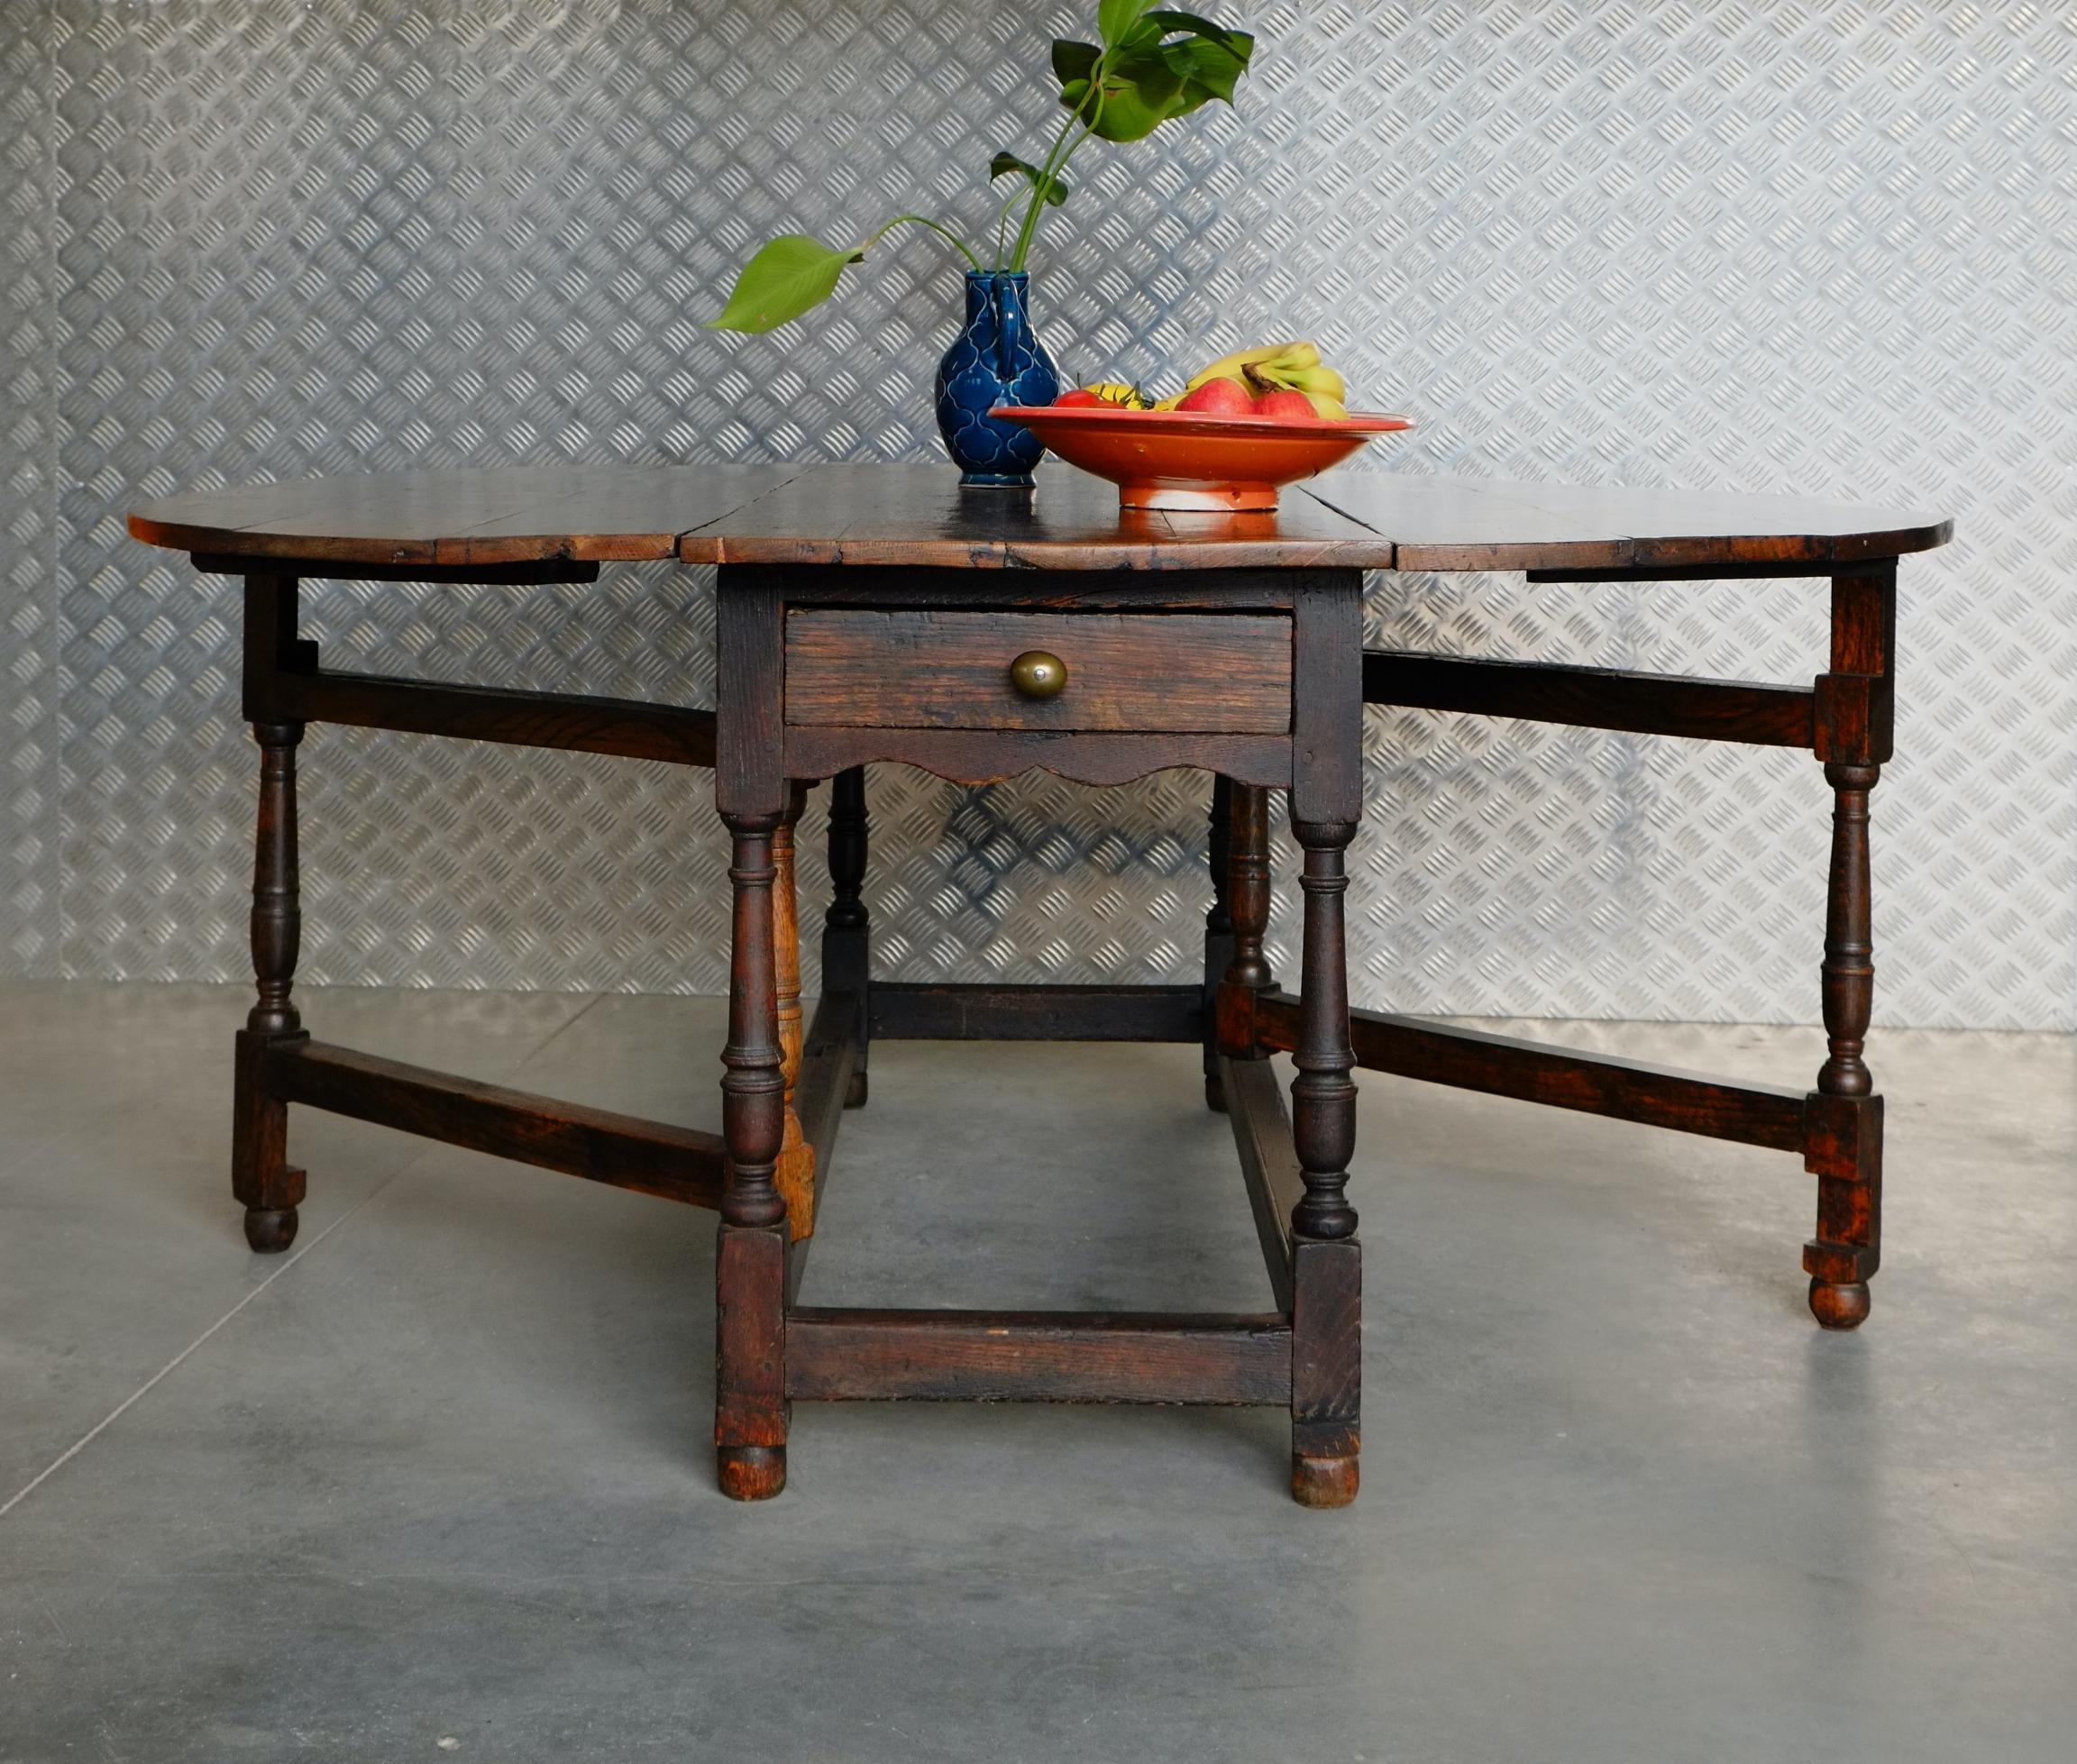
442,1473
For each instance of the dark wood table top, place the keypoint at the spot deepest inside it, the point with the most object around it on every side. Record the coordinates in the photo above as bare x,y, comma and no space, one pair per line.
918,516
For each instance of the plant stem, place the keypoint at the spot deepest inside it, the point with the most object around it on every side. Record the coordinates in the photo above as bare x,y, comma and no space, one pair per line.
1073,148
1031,226
1003,220
922,220
1056,162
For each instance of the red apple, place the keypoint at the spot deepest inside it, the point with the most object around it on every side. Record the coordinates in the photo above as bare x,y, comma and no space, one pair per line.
1219,397
1284,407
1076,399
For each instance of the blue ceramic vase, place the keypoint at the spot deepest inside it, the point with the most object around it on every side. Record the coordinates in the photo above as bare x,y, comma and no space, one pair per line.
994,360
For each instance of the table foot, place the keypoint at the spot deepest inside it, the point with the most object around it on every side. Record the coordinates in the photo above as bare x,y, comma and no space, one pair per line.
751,1473
1323,1481
1214,1093
1839,1304
855,1092
269,1231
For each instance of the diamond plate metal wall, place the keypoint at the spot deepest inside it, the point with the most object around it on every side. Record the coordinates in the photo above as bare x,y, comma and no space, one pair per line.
1723,244
28,572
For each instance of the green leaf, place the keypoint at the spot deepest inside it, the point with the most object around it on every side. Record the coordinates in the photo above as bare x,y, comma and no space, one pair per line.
1003,163
1148,79
1142,89
1116,18
1211,69
786,276
1238,41
1210,58
1073,61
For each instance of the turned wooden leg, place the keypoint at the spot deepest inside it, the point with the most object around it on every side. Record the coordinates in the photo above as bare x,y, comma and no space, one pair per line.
847,926
262,1176
1323,1097
1855,712
1248,909
795,1174
1327,1283
1845,1115
750,1273
1247,887
1218,931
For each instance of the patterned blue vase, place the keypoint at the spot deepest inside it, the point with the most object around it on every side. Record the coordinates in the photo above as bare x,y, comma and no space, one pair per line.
994,360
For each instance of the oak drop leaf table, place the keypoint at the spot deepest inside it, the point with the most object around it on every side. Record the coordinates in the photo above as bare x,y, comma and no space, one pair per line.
880,614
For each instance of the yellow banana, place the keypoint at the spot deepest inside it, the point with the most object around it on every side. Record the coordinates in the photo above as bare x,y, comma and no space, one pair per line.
1297,357
1319,379
1295,367
1230,367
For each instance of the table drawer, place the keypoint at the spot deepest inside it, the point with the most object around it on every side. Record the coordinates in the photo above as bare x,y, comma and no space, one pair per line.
1181,672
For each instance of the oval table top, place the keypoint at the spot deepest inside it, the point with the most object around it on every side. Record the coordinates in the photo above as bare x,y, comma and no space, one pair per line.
919,517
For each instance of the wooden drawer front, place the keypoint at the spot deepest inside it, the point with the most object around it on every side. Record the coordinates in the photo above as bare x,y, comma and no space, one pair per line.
1174,672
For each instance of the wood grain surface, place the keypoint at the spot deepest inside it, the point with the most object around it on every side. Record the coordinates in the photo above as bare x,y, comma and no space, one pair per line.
937,1011
931,669
1036,1356
1558,1077
1445,524
1591,697
920,517
987,756
515,514
1269,1164
623,1151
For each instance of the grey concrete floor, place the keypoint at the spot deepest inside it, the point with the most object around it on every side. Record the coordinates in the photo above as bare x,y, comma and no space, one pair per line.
437,1484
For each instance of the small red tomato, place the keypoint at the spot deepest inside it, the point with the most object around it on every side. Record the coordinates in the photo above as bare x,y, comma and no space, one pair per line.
1077,398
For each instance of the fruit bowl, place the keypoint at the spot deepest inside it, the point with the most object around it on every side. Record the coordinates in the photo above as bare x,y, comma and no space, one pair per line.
1188,459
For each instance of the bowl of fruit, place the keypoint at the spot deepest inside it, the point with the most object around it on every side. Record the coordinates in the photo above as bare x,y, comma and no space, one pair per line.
1237,432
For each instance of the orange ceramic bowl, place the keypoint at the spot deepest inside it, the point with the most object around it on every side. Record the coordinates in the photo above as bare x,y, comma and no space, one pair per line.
1179,459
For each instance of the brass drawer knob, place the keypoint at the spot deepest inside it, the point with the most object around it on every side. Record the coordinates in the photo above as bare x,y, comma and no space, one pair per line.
1038,674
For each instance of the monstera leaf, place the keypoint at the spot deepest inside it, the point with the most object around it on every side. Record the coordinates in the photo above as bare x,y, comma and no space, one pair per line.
1116,19
1153,65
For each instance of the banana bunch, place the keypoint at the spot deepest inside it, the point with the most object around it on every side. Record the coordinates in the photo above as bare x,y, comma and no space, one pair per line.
1295,367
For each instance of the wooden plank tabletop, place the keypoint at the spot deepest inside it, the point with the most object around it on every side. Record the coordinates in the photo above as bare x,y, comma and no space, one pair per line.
1475,524
919,517
514,515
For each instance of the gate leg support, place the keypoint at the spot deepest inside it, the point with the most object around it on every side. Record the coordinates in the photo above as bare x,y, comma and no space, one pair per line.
261,1177
1843,1135
1855,714
750,1259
